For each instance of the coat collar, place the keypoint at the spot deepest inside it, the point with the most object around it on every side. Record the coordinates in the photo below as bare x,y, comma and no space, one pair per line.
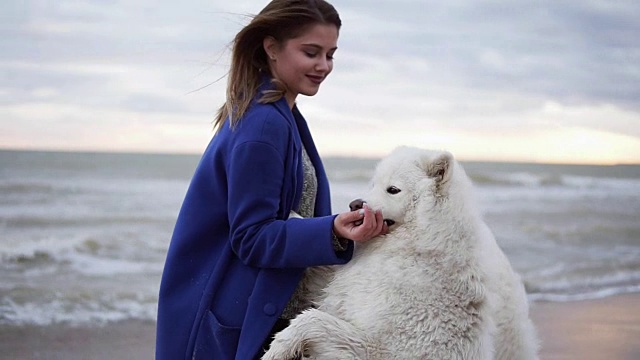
295,121
281,105
301,135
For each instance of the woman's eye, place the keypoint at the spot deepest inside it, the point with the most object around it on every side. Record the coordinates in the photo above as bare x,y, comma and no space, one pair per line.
393,190
310,54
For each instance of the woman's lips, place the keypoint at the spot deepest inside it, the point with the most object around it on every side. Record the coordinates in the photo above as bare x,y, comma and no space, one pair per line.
315,78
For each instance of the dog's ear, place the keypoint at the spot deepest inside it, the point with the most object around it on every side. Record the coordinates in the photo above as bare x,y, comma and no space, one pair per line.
439,167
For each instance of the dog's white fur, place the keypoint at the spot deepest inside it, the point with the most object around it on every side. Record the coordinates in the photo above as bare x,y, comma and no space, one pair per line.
436,287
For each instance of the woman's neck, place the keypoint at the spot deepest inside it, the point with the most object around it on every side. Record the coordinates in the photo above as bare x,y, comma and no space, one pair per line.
291,100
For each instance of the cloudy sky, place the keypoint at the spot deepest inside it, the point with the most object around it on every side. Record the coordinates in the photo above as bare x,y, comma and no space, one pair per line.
543,81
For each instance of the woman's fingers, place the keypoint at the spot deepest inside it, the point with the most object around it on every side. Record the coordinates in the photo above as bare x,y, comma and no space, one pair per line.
372,225
351,216
369,217
360,225
379,222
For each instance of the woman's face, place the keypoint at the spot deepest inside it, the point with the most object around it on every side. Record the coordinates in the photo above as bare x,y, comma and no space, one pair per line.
302,63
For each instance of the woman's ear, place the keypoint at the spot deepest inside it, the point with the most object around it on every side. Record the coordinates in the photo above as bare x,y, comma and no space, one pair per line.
270,46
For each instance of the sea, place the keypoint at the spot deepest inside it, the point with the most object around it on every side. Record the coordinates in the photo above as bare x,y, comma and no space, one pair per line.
83,236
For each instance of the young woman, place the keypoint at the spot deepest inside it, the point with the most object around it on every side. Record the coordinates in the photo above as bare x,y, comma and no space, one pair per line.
236,258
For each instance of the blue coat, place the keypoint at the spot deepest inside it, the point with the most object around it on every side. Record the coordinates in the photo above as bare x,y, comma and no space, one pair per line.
234,260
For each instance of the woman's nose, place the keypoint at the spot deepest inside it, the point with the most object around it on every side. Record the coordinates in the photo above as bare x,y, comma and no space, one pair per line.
322,65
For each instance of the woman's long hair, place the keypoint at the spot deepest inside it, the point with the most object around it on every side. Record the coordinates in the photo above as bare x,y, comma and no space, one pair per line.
282,20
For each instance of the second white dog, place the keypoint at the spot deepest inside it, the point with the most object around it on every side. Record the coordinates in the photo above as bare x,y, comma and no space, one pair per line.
436,287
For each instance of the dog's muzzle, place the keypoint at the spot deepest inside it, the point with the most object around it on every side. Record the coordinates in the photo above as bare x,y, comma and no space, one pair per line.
357,204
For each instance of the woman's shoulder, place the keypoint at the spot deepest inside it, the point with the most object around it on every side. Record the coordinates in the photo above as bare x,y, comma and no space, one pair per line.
264,123
268,112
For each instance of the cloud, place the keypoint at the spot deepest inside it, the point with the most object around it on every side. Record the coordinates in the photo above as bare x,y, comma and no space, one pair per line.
407,71
575,52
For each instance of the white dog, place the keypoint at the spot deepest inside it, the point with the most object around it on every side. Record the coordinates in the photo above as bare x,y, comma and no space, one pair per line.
436,287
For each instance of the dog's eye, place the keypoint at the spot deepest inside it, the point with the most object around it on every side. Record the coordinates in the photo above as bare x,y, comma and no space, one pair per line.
393,190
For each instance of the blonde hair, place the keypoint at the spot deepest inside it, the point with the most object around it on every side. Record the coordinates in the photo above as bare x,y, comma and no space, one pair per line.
283,20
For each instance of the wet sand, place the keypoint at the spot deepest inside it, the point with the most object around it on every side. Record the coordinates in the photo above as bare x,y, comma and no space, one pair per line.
596,329
121,340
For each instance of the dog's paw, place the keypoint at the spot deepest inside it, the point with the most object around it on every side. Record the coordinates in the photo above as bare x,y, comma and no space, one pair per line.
283,347
280,351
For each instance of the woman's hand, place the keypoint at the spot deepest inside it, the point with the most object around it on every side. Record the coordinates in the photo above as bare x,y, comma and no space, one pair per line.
360,225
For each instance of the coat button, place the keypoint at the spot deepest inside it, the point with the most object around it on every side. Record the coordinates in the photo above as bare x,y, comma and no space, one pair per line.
269,309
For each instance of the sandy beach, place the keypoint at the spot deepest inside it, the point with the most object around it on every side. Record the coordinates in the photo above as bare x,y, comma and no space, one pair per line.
596,329
121,340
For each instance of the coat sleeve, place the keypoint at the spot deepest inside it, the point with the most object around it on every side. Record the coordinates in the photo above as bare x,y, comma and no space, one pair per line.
256,175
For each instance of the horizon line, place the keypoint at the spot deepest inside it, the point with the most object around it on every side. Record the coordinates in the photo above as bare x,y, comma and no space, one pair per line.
189,153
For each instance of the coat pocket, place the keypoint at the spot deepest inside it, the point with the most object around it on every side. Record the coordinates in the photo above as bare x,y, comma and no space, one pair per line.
214,340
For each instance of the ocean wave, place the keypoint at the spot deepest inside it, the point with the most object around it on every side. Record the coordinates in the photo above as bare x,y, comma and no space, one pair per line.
355,175
627,185
585,279
586,295
518,179
515,180
35,258
51,220
81,309
89,309
49,188
527,179
85,256
22,188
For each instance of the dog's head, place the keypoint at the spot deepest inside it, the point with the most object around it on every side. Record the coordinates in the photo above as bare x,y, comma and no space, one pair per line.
405,177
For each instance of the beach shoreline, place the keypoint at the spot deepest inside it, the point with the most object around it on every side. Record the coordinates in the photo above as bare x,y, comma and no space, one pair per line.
130,339
607,328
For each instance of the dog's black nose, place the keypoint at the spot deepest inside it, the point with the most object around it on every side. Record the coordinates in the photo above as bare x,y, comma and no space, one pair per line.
356,204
